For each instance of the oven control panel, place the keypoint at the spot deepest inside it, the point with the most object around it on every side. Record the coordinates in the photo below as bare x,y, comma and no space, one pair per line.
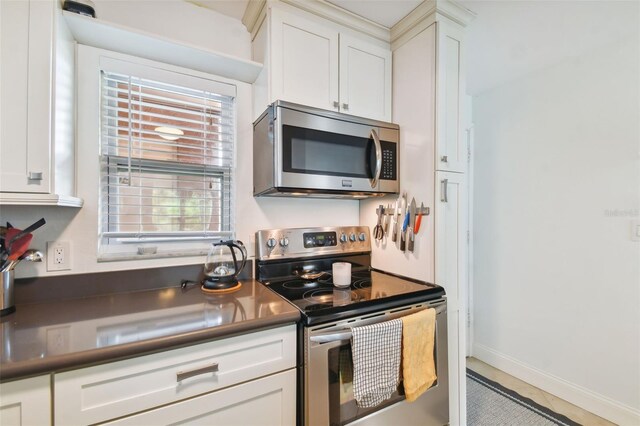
319,239
305,242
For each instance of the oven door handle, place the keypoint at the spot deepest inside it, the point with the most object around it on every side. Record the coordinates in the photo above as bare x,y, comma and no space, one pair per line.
334,336
331,337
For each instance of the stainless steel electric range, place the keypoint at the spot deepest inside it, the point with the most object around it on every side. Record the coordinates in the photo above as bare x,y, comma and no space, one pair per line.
296,264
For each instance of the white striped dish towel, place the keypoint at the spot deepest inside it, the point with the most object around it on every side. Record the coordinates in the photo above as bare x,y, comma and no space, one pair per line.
376,350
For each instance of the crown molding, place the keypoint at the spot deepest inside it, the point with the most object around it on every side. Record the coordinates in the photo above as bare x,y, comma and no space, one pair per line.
324,9
252,13
431,10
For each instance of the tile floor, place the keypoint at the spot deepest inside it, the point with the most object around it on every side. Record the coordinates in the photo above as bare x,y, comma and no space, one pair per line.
556,404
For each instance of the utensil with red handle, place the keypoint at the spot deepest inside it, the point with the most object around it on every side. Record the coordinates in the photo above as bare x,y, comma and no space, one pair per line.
14,234
418,219
19,246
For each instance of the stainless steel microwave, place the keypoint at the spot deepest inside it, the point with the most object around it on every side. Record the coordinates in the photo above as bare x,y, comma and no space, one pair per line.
304,151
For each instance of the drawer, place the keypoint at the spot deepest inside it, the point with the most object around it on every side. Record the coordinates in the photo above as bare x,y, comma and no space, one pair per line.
268,401
107,391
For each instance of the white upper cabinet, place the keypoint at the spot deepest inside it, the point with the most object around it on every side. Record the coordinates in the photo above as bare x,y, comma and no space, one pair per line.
365,79
25,89
304,61
36,108
451,145
315,62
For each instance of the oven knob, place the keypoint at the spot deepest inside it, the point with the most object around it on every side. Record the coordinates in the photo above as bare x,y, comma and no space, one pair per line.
362,237
284,242
271,242
352,237
343,238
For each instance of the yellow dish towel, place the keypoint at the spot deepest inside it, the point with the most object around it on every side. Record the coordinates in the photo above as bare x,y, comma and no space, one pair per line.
418,365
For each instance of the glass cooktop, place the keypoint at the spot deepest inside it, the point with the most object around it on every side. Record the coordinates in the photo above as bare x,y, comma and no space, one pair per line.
320,301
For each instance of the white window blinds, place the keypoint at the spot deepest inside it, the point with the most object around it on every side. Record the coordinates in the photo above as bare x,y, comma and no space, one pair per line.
166,161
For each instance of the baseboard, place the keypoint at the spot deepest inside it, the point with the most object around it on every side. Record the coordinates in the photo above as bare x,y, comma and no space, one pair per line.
597,404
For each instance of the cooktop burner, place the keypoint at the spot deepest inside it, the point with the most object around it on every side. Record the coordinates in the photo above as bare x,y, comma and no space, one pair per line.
298,284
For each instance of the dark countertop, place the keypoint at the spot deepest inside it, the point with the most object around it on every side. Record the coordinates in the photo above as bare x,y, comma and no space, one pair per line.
58,335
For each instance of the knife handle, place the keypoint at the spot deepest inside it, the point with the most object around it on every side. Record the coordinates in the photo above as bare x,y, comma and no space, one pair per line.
405,223
403,241
394,233
410,237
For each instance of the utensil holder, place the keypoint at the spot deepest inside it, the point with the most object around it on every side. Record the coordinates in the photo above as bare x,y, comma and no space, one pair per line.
7,304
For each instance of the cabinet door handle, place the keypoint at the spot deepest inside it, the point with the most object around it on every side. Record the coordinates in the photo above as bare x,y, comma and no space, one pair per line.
336,105
444,159
443,190
197,371
35,176
345,107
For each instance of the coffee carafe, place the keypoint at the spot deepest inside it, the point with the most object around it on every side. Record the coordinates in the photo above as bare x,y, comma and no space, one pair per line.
223,265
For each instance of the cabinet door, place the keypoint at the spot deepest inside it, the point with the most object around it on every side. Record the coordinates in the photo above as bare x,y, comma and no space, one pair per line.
451,150
26,402
451,248
268,401
304,58
26,49
365,79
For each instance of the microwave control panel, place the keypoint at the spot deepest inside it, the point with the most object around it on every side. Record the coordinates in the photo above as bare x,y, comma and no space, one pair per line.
389,161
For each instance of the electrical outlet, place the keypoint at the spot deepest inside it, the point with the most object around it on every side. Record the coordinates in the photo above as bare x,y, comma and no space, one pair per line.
58,256
58,340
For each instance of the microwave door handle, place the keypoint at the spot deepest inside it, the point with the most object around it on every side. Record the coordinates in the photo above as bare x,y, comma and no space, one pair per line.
376,142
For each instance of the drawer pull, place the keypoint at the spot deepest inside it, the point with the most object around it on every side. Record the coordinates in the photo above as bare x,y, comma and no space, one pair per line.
213,368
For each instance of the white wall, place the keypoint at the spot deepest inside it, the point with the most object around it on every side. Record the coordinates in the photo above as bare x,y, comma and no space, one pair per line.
413,85
80,226
557,184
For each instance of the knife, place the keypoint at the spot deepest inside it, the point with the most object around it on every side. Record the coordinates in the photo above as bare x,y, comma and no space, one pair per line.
412,222
405,223
398,205
387,219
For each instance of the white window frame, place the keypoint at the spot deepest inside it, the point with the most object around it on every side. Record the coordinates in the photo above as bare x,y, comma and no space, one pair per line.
90,63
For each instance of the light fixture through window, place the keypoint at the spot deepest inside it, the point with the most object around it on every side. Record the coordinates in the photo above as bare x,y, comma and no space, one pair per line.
169,133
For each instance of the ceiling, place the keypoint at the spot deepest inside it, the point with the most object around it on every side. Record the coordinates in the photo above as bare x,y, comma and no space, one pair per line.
508,38
232,8
384,12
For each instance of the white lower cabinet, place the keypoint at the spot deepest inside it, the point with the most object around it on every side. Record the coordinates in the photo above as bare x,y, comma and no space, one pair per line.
26,402
223,376
267,401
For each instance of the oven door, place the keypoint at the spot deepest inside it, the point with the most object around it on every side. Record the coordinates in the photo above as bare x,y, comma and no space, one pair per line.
329,372
317,152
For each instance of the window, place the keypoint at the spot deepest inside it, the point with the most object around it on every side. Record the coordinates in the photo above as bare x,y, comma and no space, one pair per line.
166,158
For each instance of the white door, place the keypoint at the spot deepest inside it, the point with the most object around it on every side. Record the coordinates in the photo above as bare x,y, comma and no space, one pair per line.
450,141
450,273
365,79
304,61
26,402
26,37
